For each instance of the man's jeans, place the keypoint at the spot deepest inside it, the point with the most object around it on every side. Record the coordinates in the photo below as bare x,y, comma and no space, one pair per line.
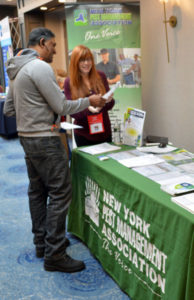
128,79
49,191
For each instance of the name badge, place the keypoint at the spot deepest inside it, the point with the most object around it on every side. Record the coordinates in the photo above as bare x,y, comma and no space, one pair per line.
95,123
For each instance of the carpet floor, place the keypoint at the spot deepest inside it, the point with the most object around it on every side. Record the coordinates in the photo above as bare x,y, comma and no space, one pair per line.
22,276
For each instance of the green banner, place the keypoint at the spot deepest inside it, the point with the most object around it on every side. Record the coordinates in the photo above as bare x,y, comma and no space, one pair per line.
103,25
114,28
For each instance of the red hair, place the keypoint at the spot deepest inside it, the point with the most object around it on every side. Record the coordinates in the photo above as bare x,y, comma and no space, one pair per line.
78,88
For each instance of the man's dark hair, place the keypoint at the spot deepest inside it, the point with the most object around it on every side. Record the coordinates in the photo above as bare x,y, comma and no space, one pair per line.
103,51
37,34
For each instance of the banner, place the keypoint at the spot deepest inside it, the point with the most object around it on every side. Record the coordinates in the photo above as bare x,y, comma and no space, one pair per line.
6,47
112,32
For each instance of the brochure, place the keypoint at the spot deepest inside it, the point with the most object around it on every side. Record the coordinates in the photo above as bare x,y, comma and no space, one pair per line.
105,96
189,167
176,157
67,126
165,178
158,169
157,149
144,160
181,185
99,148
125,154
111,91
133,127
185,201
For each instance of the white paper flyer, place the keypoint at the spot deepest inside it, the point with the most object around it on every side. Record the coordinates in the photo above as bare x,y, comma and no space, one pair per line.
186,201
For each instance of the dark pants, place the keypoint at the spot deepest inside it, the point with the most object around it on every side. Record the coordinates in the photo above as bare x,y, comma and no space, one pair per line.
128,79
49,191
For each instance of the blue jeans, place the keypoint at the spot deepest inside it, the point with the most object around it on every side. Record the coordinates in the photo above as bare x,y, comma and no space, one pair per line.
128,79
49,191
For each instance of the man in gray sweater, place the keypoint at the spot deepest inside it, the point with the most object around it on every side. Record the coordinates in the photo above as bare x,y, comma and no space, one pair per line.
36,100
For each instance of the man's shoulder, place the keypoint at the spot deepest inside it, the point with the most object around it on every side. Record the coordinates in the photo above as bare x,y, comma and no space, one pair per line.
100,64
39,66
39,62
111,63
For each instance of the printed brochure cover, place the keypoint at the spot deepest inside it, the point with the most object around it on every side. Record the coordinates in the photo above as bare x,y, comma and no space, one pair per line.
181,185
133,126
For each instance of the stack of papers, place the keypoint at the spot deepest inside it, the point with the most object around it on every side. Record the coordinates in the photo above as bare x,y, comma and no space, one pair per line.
189,167
181,185
144,160
185,201
99,148
156,170
166,177
125,154
156,149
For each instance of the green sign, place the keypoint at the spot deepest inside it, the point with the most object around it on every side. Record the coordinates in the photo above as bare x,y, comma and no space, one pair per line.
103,26
115,27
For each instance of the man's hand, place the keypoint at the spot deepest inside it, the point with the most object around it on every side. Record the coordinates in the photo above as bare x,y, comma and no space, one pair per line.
97,101
94,110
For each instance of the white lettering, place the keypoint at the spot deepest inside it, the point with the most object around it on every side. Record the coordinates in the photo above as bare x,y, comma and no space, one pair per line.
108,215
112,201
105,34
126,212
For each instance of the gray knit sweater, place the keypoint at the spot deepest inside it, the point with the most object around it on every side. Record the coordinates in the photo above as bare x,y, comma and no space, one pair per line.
34,96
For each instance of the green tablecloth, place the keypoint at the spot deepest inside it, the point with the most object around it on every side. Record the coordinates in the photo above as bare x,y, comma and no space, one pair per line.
142,239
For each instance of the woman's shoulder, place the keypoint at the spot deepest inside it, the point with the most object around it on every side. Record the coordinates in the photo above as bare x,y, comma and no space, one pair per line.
102,74
67,89
67,80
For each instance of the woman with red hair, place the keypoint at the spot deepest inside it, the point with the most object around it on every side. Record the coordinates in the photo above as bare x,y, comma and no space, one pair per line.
85,80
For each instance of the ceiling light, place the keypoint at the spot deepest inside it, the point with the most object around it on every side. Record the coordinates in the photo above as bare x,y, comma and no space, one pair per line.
43,8
66,1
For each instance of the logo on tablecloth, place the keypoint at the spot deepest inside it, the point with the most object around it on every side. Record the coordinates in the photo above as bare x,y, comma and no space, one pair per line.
92,193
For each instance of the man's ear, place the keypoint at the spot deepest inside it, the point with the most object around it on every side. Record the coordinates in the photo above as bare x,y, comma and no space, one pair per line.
42,42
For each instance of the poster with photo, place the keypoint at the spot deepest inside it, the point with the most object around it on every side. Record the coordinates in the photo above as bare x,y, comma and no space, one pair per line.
6,47
112,32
